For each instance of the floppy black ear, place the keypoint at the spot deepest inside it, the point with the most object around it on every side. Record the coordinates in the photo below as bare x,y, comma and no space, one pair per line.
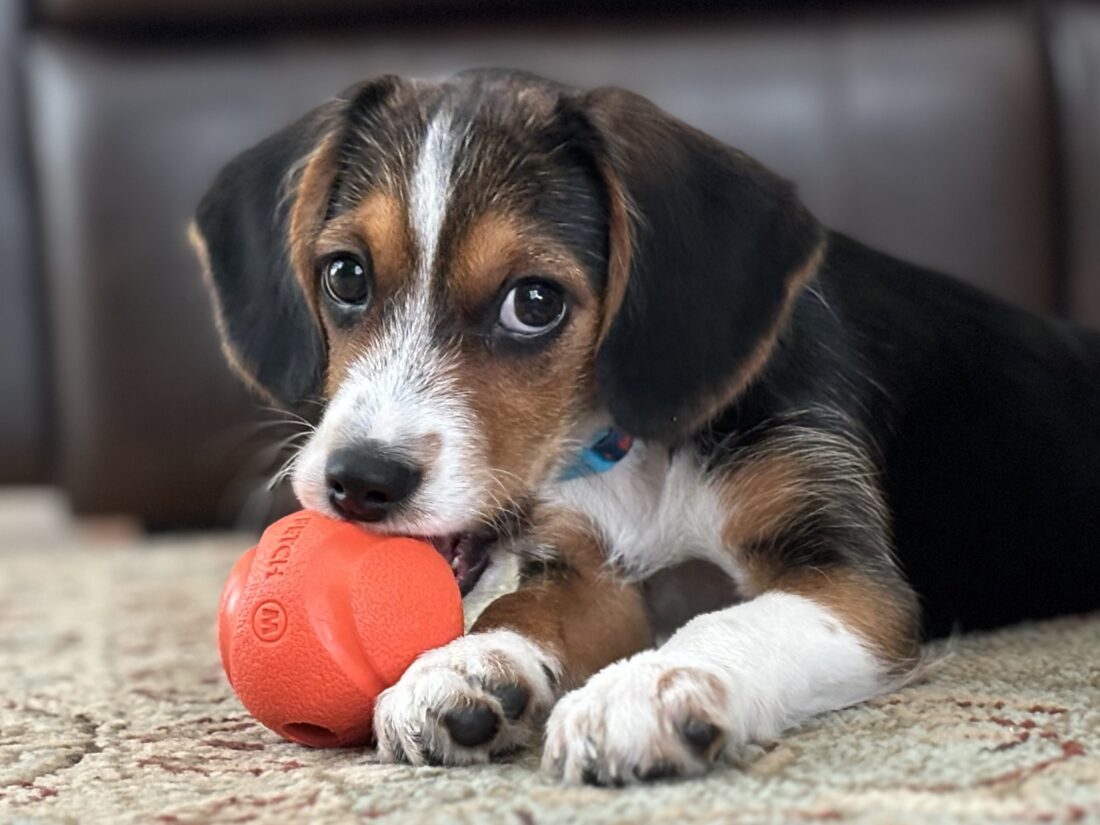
268,329
711,249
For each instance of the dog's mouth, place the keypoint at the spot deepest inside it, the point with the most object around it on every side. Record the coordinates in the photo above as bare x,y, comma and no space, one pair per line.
467,554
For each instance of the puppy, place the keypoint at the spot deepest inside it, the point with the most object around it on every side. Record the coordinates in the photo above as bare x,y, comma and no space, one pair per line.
744,462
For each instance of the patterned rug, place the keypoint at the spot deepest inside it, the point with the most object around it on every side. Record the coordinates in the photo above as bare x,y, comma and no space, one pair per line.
113,708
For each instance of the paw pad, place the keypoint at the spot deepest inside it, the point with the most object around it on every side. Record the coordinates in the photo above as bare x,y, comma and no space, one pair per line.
473,725
513,700
702,736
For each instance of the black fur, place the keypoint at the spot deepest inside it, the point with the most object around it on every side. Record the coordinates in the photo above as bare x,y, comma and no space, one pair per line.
243,220
982,420
988,425
716,240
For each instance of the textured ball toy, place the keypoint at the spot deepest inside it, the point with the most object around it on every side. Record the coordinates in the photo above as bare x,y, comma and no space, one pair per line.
320,617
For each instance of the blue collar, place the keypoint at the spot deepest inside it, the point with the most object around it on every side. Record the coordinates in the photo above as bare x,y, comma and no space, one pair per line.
604,450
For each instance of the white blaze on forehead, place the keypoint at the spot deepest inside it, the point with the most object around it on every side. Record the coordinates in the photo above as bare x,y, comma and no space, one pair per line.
430,190
403,390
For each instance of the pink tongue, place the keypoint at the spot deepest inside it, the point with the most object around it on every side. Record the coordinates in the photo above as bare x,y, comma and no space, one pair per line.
472,561
466,559
462,551
446,546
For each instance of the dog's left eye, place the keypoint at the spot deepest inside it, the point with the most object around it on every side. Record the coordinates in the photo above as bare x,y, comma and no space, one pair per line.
346,279
532,308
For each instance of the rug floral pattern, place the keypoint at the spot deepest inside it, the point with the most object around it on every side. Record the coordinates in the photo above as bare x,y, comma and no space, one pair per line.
113,709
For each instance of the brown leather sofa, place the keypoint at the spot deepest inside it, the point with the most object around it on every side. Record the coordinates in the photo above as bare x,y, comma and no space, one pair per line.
961,135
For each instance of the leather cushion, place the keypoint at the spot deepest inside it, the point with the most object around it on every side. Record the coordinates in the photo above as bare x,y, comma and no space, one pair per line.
1076,52
23,369
925,137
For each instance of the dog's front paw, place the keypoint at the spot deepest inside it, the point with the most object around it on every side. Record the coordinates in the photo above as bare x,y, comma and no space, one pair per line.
641,719
480,696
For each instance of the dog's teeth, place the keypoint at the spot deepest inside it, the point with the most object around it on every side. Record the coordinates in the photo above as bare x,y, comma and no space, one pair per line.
455,562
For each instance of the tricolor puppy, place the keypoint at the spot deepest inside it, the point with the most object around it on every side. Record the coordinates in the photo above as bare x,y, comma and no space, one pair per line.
745,462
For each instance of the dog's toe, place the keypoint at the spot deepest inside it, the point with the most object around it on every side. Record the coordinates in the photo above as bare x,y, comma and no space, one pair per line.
513,700
640,720
481,696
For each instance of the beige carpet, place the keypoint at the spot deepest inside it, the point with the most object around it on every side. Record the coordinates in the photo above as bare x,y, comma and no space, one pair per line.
113,709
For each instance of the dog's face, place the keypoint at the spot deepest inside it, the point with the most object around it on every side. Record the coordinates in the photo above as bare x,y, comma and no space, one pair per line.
456,262
468,274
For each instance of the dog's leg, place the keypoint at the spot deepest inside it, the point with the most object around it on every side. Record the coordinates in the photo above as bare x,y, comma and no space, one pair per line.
736,675
488,693
828,622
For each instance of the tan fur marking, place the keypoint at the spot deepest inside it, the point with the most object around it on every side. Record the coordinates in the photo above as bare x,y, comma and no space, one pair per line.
761,496
884,614
307,214
526,404
670,677
485,258
695,692
621,245
583,614
499,246
380,223
526,408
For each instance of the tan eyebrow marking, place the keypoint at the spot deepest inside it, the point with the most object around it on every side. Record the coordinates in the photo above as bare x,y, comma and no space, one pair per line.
498,245
381,224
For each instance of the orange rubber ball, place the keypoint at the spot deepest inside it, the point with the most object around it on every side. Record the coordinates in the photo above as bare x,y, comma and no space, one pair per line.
320,617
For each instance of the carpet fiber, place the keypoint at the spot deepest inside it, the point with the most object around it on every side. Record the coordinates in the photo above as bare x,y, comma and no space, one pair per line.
113,708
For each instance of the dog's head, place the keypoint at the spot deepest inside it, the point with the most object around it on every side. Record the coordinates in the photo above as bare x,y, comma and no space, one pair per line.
468,274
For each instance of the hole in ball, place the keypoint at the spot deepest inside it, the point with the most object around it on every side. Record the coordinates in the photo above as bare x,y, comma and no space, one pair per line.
315,736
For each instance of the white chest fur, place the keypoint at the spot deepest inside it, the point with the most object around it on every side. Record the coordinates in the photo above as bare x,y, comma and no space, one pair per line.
654,511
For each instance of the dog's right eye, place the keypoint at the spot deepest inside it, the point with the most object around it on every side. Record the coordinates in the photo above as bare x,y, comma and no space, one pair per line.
532,308
346,279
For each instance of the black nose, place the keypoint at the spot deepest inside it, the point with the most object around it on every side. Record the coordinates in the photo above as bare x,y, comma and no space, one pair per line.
367,482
